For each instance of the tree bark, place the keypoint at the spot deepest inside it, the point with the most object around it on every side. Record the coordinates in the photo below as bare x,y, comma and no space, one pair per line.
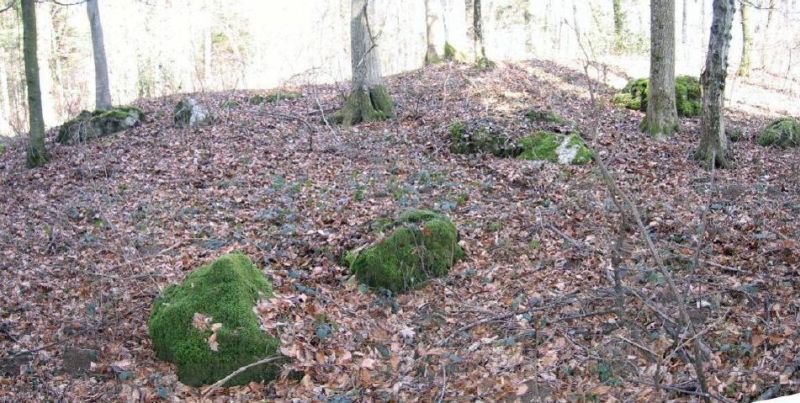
101,86
434,31
619,23
37,153
662,116
714,142
477,26
5,99
747,42
369,100
684,23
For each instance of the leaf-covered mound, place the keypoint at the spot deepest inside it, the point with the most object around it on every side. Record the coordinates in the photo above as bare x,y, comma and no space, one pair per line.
90,125
553,147
207,327
423,245
784,133
687,95
480,137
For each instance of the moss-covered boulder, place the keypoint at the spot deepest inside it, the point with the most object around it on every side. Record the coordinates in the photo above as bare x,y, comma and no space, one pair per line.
480,137
556,148
687,96
273,97
542,116
422,245
188,112
207,327
783,133
91,125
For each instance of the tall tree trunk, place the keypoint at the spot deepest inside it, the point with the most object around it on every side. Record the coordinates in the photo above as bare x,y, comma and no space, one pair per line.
5,99
369,100
102,90
434,31
684,23
477,26
747,42
619,24
662,115
37,153
714,142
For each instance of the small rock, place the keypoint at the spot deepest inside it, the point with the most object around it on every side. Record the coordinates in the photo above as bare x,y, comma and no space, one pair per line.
191,113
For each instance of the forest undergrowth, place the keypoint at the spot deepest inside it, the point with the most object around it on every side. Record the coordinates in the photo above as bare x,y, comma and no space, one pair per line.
559,297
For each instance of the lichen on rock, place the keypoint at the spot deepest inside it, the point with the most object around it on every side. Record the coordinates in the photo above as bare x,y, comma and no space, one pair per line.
188,112
783,133
100,123
423,244
556,148
207,327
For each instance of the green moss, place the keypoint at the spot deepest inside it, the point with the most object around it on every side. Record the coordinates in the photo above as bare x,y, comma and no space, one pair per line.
273,97
464,140
229,104
89,125
224,291
540,146
783,133
544,116
362,106
449,51
547,146
423,245
2,148
687,95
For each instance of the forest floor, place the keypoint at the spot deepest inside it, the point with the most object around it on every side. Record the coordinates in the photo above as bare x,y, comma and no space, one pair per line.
87,243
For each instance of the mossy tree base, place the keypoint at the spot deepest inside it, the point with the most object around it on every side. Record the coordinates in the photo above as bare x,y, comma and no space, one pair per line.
37,155
206,325
366,106
659,131
423,245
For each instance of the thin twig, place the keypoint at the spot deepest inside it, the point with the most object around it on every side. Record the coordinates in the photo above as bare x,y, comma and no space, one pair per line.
239,371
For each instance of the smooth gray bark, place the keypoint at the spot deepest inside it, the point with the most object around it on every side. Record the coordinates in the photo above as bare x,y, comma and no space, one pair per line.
662,116
434,31
37,153
714,142
101,85
369,100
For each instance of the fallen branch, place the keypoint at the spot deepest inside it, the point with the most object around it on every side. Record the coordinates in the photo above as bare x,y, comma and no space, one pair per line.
230,376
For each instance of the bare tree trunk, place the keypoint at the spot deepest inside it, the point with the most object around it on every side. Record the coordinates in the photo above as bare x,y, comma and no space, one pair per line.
369,100
684,23
434,31
102,91
662,115
747,42
37,153
714,142
5,100
477,26
619,23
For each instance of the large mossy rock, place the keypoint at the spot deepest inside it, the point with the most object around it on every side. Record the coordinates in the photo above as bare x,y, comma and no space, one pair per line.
556,148
687,96
422,245
480,137
783,133
190,113
207,327
91,125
